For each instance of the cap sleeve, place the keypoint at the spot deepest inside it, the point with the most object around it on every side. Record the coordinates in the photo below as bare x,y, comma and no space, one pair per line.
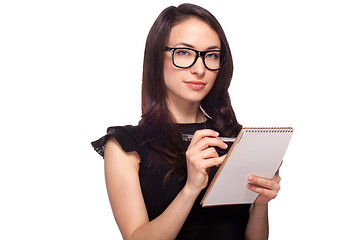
129,138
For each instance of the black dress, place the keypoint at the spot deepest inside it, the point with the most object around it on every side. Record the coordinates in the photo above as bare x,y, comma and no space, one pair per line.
224,222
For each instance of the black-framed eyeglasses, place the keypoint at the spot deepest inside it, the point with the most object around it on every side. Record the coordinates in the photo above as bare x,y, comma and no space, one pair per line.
183,57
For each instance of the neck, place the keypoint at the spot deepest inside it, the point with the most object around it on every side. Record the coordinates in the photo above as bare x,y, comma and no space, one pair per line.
186,112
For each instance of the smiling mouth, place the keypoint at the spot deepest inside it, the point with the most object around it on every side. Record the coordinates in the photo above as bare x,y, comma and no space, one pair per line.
197,85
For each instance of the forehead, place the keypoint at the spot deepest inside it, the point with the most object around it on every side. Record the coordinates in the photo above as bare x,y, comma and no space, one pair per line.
194,32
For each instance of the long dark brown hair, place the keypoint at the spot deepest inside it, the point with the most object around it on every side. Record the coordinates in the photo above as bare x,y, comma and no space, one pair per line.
160,130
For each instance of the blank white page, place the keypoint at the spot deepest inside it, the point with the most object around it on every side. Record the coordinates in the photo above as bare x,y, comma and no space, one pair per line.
257,151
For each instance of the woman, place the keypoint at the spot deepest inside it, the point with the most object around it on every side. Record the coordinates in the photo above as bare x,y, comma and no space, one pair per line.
155,180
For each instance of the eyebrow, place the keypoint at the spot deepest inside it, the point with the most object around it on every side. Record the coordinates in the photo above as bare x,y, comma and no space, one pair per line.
191,46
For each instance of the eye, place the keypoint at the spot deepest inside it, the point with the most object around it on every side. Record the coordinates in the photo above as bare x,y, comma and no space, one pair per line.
213,55
183,52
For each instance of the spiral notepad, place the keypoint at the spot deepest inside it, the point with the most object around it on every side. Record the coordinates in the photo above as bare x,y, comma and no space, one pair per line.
256,151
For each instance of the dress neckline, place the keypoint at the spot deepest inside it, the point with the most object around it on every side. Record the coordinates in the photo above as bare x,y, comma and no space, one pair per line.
190,128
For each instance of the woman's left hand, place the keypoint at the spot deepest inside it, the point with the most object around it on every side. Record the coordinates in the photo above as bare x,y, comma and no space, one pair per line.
266,188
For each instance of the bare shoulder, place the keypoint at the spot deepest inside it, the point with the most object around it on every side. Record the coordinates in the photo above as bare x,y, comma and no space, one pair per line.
123,186
115,154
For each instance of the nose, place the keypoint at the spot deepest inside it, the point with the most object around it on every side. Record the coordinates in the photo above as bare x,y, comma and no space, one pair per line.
198,68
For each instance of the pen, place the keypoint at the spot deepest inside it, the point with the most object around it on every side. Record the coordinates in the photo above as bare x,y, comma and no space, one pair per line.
188,137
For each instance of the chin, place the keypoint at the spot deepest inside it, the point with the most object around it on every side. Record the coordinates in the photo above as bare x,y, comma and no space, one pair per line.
197,99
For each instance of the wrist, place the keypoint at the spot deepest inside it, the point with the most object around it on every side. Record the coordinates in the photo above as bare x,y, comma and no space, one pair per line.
190,191
259,206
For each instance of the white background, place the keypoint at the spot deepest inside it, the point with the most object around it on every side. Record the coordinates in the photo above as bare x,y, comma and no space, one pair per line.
69,69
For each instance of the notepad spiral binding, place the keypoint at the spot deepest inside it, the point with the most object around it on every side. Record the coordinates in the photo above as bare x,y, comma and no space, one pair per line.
277,129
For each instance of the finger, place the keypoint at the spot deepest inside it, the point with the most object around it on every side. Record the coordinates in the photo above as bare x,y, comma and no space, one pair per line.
277,172
264,182
200,134
210,162
207,142
205,154
277,178
209,153
223,156
267,193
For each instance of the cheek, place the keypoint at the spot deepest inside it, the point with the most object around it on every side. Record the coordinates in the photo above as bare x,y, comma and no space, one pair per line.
173,76
168,74
212,79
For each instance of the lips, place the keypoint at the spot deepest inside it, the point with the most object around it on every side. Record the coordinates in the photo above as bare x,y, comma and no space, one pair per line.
196,85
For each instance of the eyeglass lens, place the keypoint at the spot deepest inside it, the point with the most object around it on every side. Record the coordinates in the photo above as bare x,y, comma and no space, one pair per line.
186,57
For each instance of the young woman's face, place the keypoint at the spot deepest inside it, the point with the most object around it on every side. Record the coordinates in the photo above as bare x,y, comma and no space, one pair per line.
190,85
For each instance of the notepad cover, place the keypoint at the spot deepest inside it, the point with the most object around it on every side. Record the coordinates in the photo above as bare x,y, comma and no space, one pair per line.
256,151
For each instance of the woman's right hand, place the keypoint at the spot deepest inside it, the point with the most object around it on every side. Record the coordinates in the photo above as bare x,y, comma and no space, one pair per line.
200,156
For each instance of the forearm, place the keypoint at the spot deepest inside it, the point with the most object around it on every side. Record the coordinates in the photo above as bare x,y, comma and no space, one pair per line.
169,223
258,225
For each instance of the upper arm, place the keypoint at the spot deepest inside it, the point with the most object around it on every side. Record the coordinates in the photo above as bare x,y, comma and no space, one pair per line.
123,186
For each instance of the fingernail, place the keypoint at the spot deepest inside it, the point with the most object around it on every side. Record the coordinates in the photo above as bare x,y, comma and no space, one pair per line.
249,186
251,178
